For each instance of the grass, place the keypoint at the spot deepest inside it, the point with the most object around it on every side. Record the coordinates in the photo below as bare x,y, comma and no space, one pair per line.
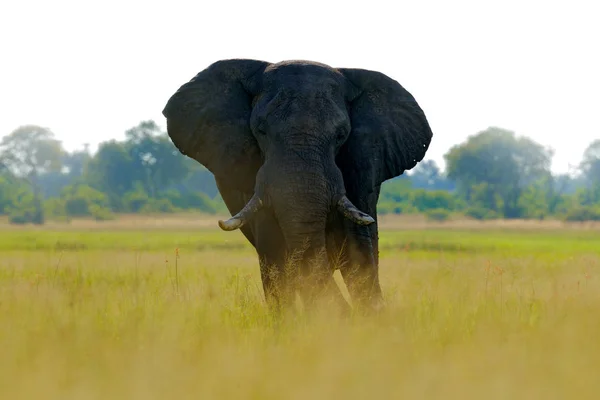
112,311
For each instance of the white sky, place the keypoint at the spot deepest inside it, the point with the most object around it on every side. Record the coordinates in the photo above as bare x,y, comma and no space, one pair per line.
89,71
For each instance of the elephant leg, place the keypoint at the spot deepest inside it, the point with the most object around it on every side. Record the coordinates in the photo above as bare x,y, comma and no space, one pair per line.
359,252
278,289
354,251
360,269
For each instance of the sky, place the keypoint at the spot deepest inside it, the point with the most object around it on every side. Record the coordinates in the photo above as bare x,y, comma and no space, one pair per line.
91,70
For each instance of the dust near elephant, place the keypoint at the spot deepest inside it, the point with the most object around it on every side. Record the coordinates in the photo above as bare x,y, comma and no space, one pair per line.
299,151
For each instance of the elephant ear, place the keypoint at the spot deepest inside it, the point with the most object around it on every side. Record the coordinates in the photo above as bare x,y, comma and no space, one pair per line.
389,135
208,120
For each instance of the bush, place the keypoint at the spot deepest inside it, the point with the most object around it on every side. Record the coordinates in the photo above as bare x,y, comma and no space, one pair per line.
437,214
101,213
583,213
481,213
25,210
537,214
135,200
192,200
80,199
55,209
158,206
18,218
388,208
425,200
391,207
200,201
25,216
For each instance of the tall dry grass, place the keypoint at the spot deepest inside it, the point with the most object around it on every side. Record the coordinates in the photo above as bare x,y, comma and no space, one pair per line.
116,319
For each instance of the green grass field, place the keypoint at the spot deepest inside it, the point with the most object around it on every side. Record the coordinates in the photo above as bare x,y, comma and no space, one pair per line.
97,311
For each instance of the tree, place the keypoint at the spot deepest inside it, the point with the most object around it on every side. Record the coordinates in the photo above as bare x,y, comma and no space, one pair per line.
146,162
199,179
590,164
427,175
155,158
8,187
424,200
110,171
73,164
80,200
395,196
500,165
28,152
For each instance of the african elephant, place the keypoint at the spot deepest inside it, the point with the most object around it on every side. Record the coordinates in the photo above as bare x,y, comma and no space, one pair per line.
299,151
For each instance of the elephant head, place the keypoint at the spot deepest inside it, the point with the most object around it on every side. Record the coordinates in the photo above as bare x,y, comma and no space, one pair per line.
287,134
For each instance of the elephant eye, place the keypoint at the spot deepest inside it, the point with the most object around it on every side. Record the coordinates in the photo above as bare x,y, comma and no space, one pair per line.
341,135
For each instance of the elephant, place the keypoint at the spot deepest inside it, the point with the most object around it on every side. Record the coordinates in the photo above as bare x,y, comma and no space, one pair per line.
299,151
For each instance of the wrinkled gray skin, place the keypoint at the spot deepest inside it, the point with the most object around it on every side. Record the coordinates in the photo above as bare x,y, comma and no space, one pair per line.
299,151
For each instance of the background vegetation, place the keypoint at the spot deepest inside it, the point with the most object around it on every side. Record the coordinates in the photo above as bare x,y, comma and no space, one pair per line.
494,174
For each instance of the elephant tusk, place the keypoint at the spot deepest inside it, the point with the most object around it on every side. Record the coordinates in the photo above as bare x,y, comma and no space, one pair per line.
352,213
231,224
242,217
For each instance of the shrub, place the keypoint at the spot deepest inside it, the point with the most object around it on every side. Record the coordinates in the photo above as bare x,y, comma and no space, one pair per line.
18,218
135,200
25,216
480,213
391,207
425,200
437,214
25,210
55,209
158,206
101,213
80,199
583,213
200,201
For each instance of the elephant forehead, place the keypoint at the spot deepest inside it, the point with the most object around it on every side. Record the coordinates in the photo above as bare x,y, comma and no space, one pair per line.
308,113
299,77
302,111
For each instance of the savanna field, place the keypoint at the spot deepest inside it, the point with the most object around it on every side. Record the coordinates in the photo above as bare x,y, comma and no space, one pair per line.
164,308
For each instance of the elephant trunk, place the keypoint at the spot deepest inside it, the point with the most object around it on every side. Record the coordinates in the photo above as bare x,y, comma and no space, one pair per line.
301,201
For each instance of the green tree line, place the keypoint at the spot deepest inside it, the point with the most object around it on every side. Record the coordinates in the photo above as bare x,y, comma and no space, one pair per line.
492,174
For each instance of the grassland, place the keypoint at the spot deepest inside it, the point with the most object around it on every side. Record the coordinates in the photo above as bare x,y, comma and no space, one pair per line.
173,308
